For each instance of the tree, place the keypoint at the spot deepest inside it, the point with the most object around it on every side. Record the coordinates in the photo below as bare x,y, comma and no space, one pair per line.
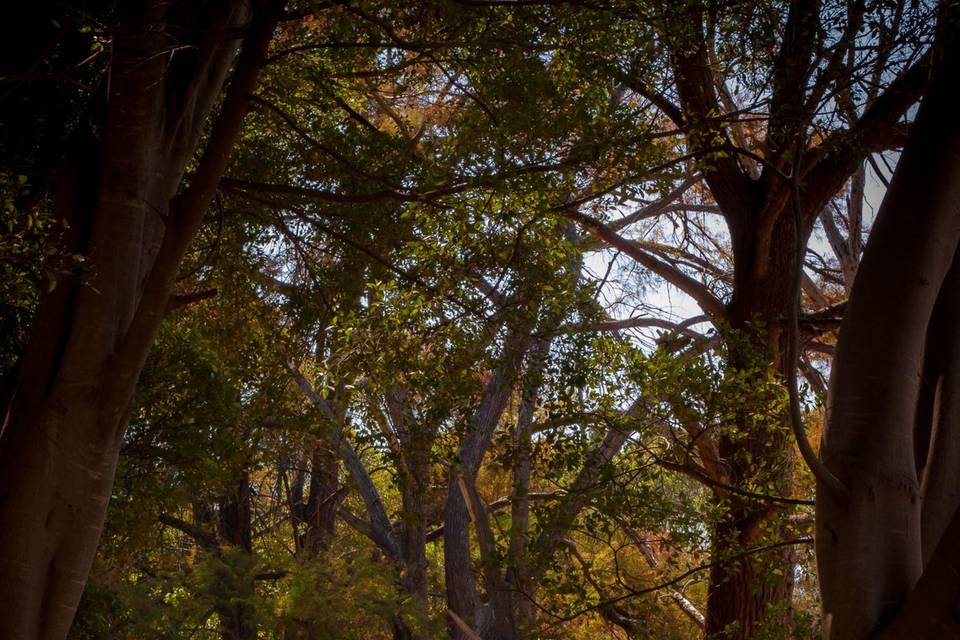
770,183
439,383
887,542
134,198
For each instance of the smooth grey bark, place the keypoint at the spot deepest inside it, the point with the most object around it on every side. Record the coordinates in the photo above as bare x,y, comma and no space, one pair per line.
403,543
381,530
461,591
517,578
937,446
133,221
870,548
510,612
930,612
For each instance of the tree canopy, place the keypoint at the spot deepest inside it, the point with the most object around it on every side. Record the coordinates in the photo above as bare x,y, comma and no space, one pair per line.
496,320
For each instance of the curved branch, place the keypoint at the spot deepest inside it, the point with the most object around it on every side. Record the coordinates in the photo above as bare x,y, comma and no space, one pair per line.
381,531
710,304
810,457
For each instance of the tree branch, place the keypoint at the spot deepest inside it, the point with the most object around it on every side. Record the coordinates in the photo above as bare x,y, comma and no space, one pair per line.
828,166
184,299
202,537
710,304
381,530
731,187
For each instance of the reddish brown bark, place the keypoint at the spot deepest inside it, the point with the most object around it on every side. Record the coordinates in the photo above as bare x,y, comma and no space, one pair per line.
770,217
747,593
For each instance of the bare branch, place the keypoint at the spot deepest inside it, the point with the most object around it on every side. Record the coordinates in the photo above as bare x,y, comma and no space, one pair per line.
710,304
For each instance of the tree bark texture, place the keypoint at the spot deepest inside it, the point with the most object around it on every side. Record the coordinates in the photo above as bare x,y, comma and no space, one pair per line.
462,597
888,554
133,222
770,212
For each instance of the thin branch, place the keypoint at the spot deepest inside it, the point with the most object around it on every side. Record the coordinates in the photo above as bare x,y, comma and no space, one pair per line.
810,457
710,304
184,299
671,582
656,208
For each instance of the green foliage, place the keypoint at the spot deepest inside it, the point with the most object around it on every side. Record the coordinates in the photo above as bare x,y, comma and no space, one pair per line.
30,261
345,598
395,217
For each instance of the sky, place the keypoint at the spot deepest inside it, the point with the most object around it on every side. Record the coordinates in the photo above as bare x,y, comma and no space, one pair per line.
673,304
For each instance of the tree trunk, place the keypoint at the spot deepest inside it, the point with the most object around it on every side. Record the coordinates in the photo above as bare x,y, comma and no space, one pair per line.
749,592
745,594
462,598
936,445
417,442
414,538
518,580
63,426
323,500
871,544
415,438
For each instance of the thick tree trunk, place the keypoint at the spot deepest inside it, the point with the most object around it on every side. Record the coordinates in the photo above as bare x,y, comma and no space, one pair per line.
63,427
746,594
936,445
870,544
767,249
